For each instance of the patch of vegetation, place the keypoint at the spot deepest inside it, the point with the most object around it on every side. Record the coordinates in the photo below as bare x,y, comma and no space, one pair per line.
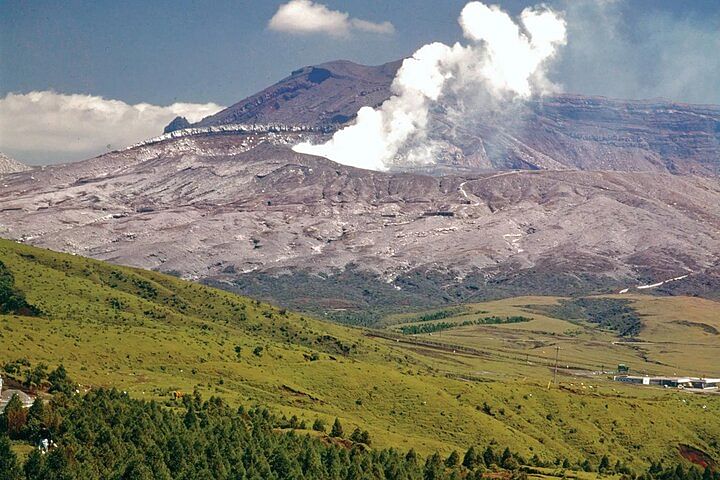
358,297
351,296
438,315
440,326
106,434
12,301
164,337
611,313
36,377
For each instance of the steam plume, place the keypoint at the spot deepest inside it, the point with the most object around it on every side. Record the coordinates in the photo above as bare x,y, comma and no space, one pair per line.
504,58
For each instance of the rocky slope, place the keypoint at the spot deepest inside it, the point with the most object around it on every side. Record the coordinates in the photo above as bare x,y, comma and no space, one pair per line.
9,165
247,213
330,93
551,133
561,195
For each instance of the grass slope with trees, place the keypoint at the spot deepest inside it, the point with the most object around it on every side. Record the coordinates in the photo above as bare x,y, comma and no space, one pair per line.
158,337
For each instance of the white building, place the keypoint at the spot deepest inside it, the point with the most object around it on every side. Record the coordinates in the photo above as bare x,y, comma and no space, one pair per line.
674,382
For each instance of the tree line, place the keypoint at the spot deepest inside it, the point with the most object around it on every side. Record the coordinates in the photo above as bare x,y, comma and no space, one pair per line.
105,434
440,326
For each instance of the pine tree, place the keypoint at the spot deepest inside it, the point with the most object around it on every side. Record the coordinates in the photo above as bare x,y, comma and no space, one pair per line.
360,436
453,460
9,466
505,458
477,475
60,382
35,420
489,456
310,462
14,417
137,470
470,459
433,467
34,465
337,429
679,472
318,425
35,377
604,464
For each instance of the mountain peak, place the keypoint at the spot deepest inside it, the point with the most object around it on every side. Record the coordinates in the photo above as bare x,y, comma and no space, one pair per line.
319,95
178,123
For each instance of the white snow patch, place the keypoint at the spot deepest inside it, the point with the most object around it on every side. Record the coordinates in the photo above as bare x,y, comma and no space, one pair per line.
229,128
658,284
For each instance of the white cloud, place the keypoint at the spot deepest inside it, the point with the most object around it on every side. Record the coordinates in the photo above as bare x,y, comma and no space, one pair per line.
501,59
372,27
658,54
44,127
305,16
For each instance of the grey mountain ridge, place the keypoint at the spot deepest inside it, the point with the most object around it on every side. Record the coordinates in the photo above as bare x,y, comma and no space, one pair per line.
550,133
591,195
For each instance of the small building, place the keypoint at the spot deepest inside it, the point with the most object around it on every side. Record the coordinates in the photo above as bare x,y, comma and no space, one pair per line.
670,382
632,379
706,383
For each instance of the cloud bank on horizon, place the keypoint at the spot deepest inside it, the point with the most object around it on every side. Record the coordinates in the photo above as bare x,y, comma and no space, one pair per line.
504,58
306,17
37,125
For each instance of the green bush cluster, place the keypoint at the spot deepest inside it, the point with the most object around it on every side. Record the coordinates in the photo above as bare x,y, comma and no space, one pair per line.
107,435
440,326
12,301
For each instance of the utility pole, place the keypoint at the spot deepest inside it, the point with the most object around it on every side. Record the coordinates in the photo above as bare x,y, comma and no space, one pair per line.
557,354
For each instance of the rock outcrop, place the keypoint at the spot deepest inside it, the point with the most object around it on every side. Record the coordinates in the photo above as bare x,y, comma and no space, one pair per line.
9,165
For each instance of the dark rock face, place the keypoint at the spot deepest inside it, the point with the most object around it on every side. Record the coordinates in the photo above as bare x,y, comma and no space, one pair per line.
319,75
551,133
178,123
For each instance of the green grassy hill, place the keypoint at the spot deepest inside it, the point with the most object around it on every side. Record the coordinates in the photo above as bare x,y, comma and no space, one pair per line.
653,335
151,335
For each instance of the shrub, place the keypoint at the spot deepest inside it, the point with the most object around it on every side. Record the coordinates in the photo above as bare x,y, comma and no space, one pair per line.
337,429
318,425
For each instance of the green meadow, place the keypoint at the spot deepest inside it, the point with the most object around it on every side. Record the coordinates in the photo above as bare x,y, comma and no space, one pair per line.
153,335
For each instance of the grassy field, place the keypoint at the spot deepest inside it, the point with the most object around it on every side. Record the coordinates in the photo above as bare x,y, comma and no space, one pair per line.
152,335
679,335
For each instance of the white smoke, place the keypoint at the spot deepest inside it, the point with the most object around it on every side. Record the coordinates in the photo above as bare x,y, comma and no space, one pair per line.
506,59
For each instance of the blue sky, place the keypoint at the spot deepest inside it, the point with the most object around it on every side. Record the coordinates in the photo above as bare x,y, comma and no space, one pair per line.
221,51
162,52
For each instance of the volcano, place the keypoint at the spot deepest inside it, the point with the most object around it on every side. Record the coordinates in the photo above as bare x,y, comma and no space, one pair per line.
573,195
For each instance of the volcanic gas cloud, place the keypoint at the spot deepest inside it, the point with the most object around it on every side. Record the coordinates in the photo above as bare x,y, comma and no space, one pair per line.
506,60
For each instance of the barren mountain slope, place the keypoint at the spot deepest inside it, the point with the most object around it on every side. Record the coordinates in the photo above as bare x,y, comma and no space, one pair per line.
330,93
10,165
550,133
248,213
